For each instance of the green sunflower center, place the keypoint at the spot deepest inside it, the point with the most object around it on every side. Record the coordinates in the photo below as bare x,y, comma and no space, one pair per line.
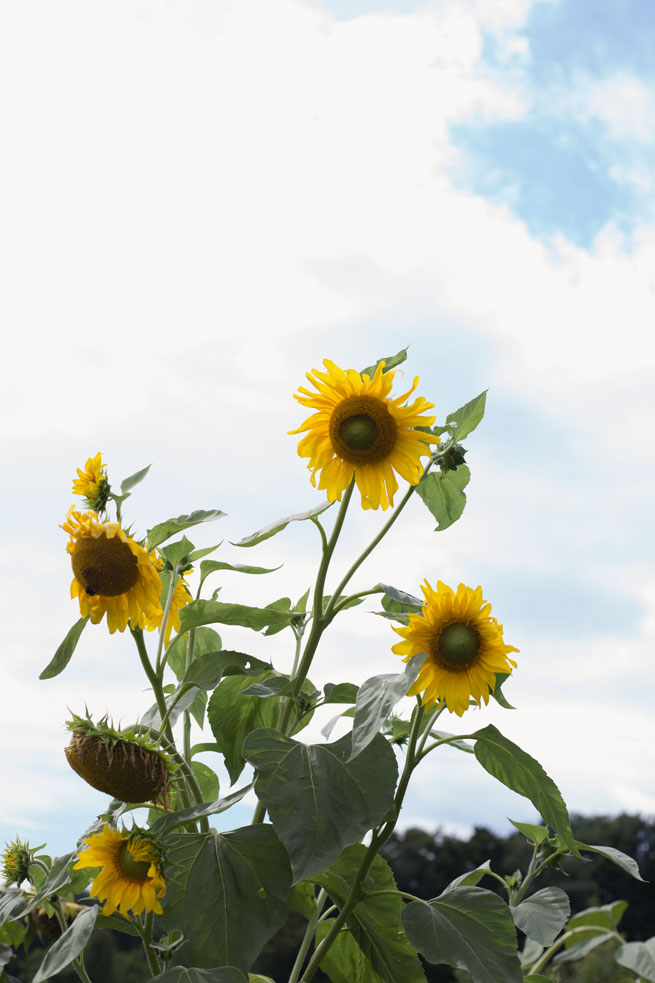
138,869
458,646
362,430
104,566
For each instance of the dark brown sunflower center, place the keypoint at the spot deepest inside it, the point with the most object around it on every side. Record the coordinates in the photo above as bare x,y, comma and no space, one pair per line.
104,566
458,646
362,430
138,869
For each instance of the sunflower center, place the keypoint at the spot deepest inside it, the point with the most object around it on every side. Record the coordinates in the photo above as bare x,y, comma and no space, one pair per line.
138,869
362,430
458,645
104,566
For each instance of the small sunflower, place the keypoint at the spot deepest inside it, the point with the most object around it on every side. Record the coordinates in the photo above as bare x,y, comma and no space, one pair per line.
16,859
113,573
92,484
357,430
463,646
181,597
130,877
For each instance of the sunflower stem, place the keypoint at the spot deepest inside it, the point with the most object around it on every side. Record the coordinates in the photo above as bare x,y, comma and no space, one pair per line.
330,611
145,932
167,610
78,963
310,931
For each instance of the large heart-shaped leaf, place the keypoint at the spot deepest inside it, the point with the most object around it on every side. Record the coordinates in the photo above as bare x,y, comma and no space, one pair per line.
68,945
320,801
542,915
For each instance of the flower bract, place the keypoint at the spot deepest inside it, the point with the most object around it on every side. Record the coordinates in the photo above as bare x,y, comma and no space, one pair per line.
463,647
92,484
16,860
114,575
130,878
358,430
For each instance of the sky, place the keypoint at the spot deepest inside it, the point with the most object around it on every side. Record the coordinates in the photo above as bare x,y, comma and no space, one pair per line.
199,203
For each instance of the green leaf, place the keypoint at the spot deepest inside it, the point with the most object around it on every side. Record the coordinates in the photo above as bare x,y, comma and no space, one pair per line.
467,417
639,957
171,820
280,524
471,877
58,878
390,362
12,903
206,779
178,551
375,923
164,530
536,834
198,554
211,612
497,692
117,923
537,979
621,860
542,915
226,974
581,949
152,716
444,495
238,881
304,788
212,566
208,669
204,640
12,933
402,600
468,928
232,716
275,686
340,693
516,769
68,945
258,978
62,656
134,479
303,898
344,962
376,699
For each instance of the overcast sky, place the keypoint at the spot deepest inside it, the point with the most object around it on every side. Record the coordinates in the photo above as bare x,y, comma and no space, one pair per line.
202,199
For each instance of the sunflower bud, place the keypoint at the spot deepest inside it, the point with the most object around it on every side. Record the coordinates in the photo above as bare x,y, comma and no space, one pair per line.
127,767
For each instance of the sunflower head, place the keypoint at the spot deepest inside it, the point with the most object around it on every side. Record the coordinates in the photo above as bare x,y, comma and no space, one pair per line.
463,647
130,876
16,859
128,767
92,484
358,431
113,574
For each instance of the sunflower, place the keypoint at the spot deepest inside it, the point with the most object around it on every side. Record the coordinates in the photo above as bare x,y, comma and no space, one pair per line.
16,859
92,484
181,597
113,573
358,431
130,877
463,646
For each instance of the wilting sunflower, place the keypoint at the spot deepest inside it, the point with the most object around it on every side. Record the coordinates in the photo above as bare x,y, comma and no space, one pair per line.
130,877
357,430
463,646
92,484
181,597
113,573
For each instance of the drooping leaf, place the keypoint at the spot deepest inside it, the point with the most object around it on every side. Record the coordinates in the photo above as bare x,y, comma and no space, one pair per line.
232,716
304,788
390,362
215,612
375,923
535,834
280,524
376,699
516,769
444,495
468,928
542,915
238,881
621,860
605,917
164,530
62,656
408,602
68,945
134,479
467,417
207,670
208,567
497,692
580,949
639,957
171,820
11,903
181,974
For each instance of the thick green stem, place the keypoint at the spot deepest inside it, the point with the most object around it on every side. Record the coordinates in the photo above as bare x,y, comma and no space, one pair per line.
310,931
145,932
162,628
78,963
544,959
